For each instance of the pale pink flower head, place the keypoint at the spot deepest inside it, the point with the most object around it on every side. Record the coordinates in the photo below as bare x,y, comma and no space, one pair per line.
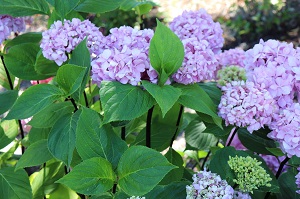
198,24
244,104
231,57
199,62
125,58
286,131
63,37
10,24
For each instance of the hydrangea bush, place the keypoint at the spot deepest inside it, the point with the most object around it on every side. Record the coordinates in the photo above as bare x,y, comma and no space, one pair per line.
99,115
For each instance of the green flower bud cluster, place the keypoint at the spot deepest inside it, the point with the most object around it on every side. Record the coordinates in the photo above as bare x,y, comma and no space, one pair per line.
231,73
248,173
136,197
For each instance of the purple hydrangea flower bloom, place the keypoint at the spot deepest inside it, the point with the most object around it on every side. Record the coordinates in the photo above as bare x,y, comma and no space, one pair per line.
209,185
10,24
231,57
298,180
241,195
198,24
63,37
125,58
244,104
285,129
199,62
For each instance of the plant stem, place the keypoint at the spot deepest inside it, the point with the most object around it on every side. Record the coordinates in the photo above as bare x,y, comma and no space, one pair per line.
12,88
177,124
206,157
123,133
74,104
232,136
86,99
148,127
114,189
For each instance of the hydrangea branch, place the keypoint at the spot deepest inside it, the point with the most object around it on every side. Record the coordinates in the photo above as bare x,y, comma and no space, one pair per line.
177,124
148,127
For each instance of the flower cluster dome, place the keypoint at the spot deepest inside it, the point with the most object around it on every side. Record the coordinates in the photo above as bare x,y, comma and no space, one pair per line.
10,24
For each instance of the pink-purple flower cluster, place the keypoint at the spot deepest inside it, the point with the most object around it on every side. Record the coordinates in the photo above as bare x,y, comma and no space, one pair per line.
241,195
231,57
244,104
125,58
209,185
199,24
298,180
10,24
285,129
274,65
199,62
63,37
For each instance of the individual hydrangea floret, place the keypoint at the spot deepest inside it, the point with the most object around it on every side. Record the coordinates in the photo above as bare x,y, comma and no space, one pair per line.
199,62
298,180
137,197
63,37
10,24
241,195
232,57
286,131
125,58
273,65
249,175
209,185
231,73
199,24
245,105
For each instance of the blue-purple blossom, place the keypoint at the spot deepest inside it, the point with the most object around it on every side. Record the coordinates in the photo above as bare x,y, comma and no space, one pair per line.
231,57
10,24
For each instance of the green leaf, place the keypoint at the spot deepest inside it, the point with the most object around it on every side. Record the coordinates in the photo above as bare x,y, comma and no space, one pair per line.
51,114
45,66
33,100
255,142
123,101
42,182
69,77
29,37
9,153
176,174
93,141
212,90
8,132
91,177
144,7
166,96
140,169
55,17
61,140
64,7
170,191
37,134
194,97
36,154
63,192
99,6
287,185
166,52
19,8
7,99
21,60
212,128
14,184
276,151
3,77
196,138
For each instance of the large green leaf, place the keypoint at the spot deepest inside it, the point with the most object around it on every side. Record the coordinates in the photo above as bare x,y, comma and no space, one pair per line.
99,6
18,8
123,101
140,169
63,192
91,177
37,134
7,99
173,190
166,96
64,7
93,141
212,128
196,138
194,97
45,66
142,7
36,154
21,60
29,37
9,153
51,114
8,132
61,140
14,184
166,52
212,90
287,185
69,77
33,100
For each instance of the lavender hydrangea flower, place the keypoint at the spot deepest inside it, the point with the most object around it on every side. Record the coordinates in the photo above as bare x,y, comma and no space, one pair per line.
198,24
199,62
285,130
63,37
274,66
245,105
241,195
298,180
10,24
232,57
125,58
209,185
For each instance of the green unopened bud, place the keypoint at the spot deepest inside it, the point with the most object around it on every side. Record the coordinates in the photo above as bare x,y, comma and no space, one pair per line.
249,175
231,73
